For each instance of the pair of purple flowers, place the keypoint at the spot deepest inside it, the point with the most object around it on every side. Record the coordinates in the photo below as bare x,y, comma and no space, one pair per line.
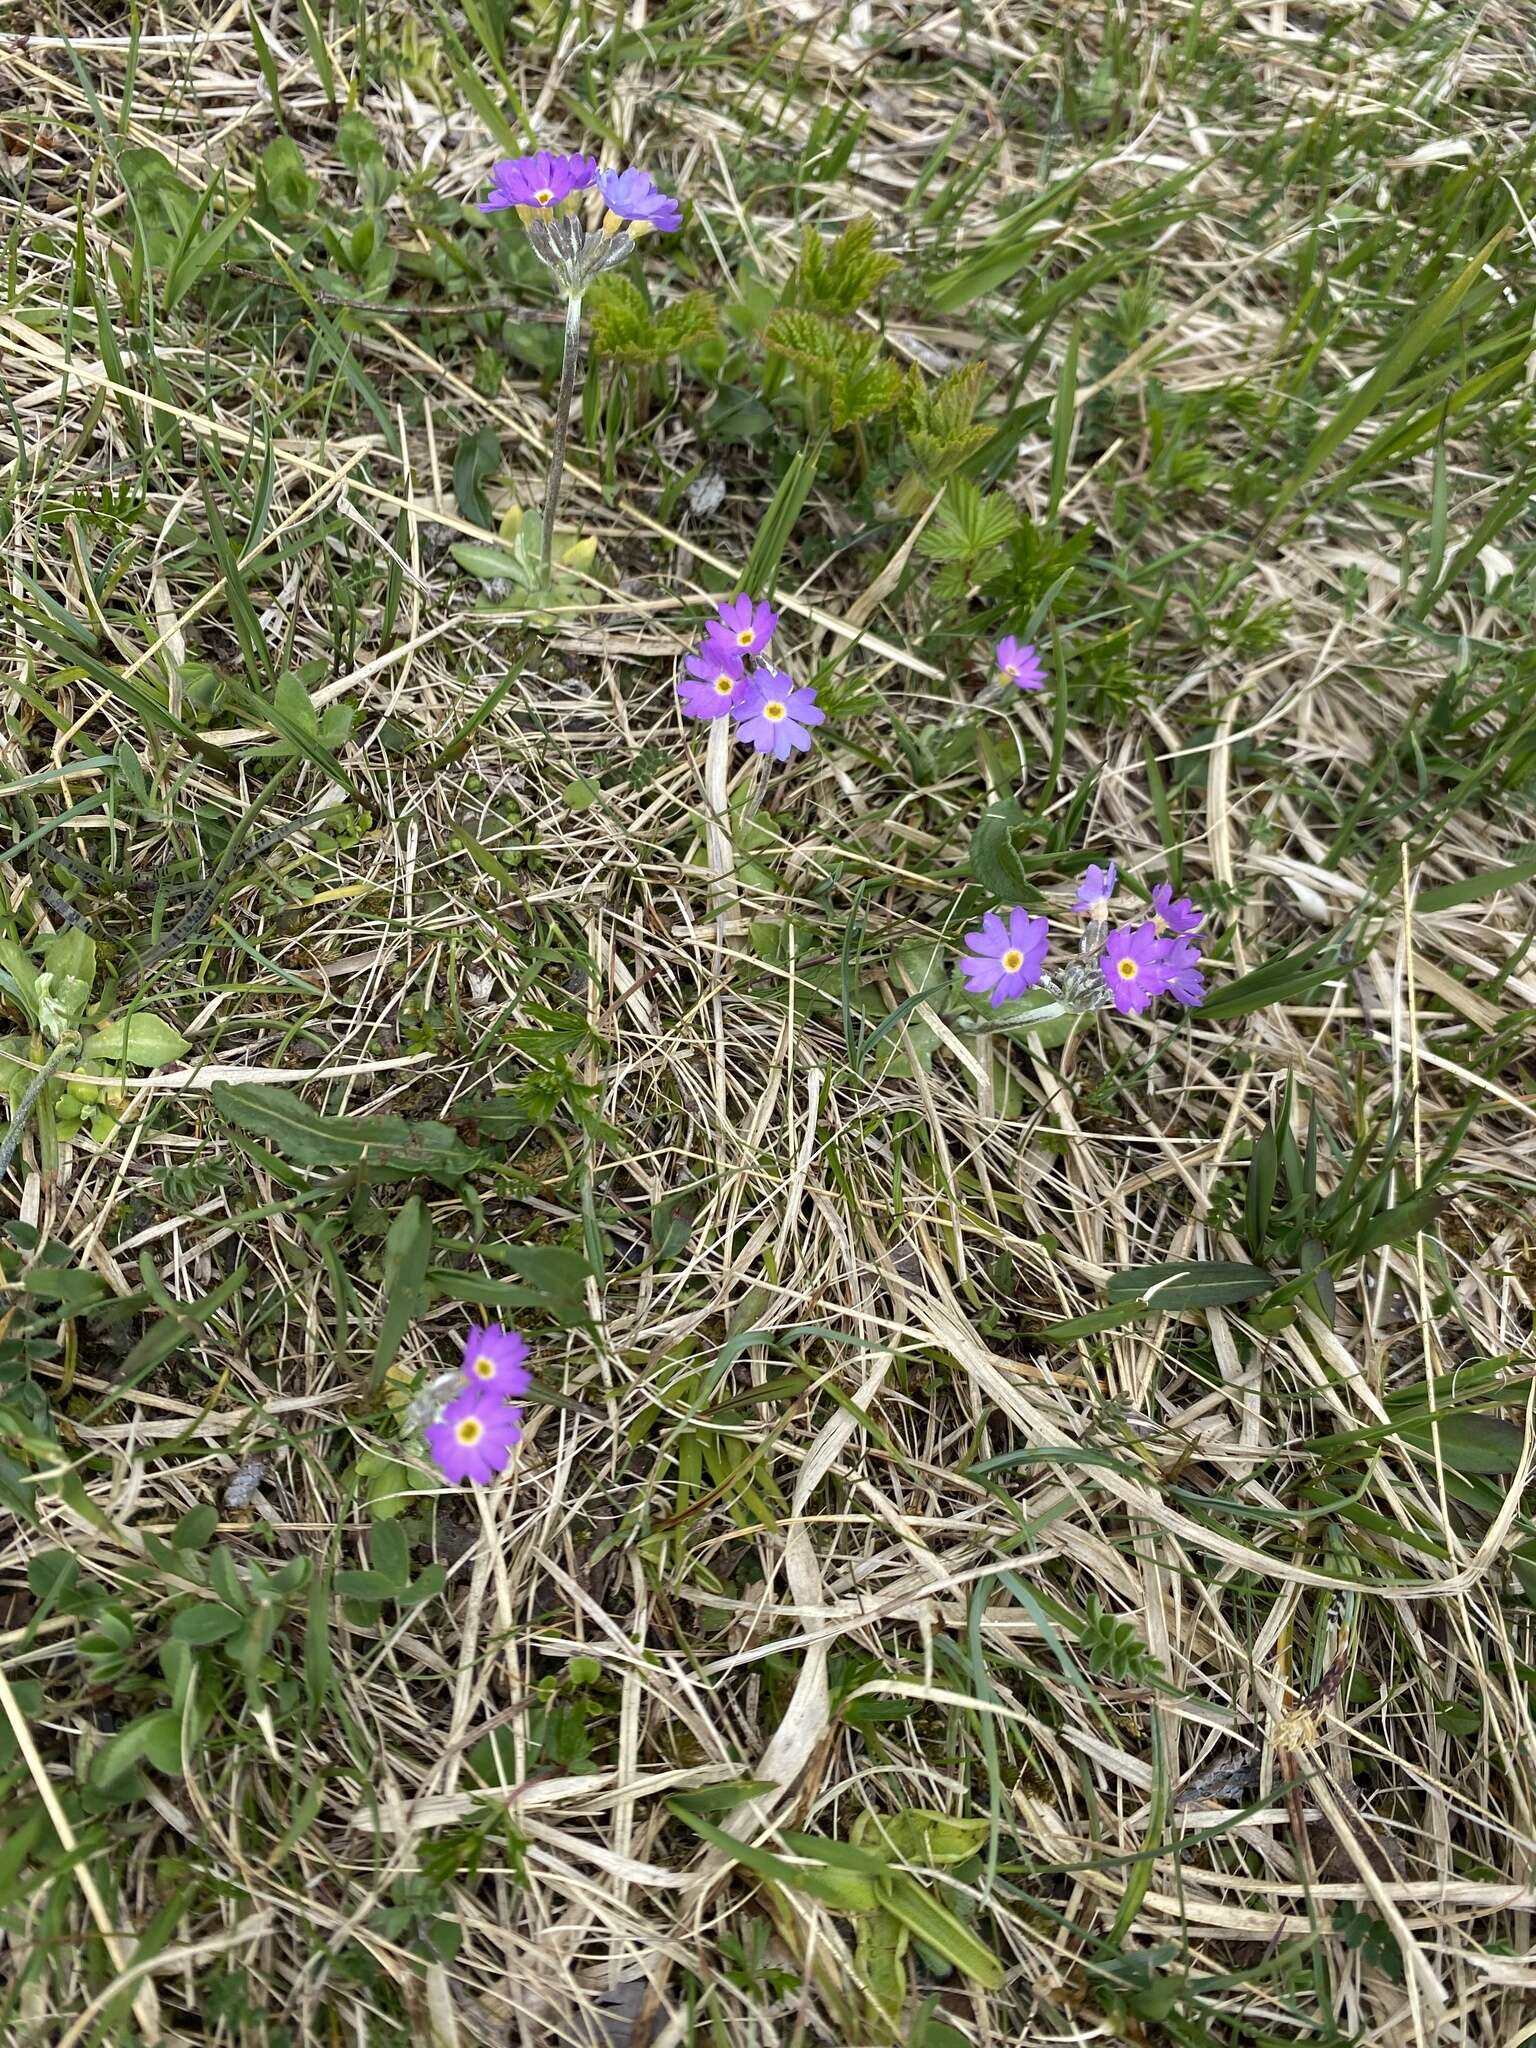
539,183
478,1428
772,714
1137,964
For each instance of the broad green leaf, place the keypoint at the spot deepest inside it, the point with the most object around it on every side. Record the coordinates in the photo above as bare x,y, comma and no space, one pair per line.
1189,1283
141,1040
938,1929
381,1146
1469,1442
73,953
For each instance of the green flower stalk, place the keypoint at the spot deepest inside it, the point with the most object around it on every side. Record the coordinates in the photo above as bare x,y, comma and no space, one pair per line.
543,190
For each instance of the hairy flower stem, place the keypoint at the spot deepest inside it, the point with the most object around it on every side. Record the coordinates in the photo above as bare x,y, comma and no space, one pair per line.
562,429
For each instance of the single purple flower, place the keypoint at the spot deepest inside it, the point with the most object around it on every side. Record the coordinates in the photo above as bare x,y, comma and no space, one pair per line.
1095,890
1134,968
539,181
1181,961
1175,913
632,196
716,676
1017,662
773,716
749,626
498,1359
474,1435
1010,957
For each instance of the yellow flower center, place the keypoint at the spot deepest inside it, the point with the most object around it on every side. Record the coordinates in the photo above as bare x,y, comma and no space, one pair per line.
1013,960
469,1431
773,711
1127,969
544,195
484,1368
724,685
746,636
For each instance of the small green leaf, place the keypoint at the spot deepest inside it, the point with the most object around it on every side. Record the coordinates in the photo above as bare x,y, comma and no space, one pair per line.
995,864
407,1254
488,564
390,1553
141,1040
205,1624
195,1529
475,461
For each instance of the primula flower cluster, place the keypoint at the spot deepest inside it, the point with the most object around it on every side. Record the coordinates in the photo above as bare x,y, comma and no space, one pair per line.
773,714
538,188
477,1414
1127,969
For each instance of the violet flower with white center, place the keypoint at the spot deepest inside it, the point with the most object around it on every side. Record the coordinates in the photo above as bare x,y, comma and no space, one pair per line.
1018,663
1174,913
1007,957
774,717
1094,892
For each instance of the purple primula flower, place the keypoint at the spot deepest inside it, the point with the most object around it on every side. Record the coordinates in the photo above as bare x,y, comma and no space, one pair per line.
474,1436
773,716
1095,890
748,625
632,196
1175,913
1181,963
1017,662
539,181
716,677
1135,969
1010,955
497,1359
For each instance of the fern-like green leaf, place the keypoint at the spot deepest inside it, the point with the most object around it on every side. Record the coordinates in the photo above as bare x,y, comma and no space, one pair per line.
840,278
818,344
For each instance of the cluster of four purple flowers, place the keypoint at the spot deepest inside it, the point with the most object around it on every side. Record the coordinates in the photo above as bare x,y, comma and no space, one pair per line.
773,714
